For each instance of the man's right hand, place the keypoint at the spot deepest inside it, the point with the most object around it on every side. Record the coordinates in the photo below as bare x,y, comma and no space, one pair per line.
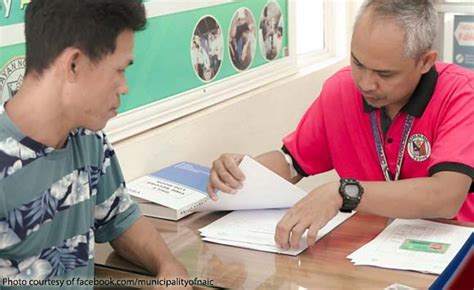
225,174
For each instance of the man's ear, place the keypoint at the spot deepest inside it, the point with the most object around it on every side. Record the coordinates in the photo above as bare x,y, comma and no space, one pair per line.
427,60
70,64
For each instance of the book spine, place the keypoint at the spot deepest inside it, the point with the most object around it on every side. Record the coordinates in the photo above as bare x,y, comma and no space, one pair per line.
191,208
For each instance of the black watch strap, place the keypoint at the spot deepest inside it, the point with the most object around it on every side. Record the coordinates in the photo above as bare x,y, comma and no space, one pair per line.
351,192
348,205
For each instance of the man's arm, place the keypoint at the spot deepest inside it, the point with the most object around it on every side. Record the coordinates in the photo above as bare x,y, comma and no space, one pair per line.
276,162
142,244
439,196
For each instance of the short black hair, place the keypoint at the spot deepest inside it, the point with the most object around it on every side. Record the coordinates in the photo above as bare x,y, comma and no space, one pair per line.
89,25
244,27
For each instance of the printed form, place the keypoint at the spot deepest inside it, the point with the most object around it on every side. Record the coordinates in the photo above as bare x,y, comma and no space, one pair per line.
416,245
255,229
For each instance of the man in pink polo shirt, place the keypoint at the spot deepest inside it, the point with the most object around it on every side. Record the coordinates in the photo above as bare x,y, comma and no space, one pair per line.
396,126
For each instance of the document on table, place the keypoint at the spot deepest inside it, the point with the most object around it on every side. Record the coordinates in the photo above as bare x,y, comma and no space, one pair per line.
262,189
416,245
255,229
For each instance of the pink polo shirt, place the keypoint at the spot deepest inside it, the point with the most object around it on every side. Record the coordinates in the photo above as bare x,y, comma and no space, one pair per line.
335,132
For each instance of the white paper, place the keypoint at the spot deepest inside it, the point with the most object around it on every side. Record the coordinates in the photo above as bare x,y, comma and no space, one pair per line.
255,229
398,286
262,189
263,248
385,250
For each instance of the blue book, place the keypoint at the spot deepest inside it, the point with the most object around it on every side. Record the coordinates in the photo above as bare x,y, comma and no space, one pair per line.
459,274
172,192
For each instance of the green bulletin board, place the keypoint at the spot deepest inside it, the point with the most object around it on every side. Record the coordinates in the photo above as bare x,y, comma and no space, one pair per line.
163,66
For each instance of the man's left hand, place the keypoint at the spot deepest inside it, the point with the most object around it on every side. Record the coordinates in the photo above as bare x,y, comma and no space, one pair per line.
312,212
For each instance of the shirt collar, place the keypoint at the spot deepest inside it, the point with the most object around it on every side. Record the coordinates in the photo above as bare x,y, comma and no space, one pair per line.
421,96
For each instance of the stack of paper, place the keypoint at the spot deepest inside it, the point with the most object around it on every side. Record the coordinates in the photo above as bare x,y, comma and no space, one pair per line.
264,200
416,245
255,229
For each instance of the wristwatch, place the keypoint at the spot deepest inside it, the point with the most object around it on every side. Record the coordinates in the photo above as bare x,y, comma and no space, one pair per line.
351,191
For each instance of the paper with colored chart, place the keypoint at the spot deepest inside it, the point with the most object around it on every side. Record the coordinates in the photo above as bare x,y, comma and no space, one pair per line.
416,245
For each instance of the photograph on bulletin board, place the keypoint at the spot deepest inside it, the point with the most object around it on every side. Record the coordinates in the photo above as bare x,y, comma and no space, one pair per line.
207,48
242,39
463,46
271,31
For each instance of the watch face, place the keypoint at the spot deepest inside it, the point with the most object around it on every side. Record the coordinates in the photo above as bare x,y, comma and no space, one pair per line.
352,190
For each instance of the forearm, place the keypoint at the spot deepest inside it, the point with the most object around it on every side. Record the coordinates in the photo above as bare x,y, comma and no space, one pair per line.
275,161
430,197
142,245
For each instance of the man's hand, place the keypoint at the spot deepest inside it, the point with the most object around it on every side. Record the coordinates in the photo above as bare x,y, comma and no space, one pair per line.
225,174
143,245
312,212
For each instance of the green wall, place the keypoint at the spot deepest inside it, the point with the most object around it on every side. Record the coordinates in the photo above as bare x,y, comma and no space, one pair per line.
162,66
